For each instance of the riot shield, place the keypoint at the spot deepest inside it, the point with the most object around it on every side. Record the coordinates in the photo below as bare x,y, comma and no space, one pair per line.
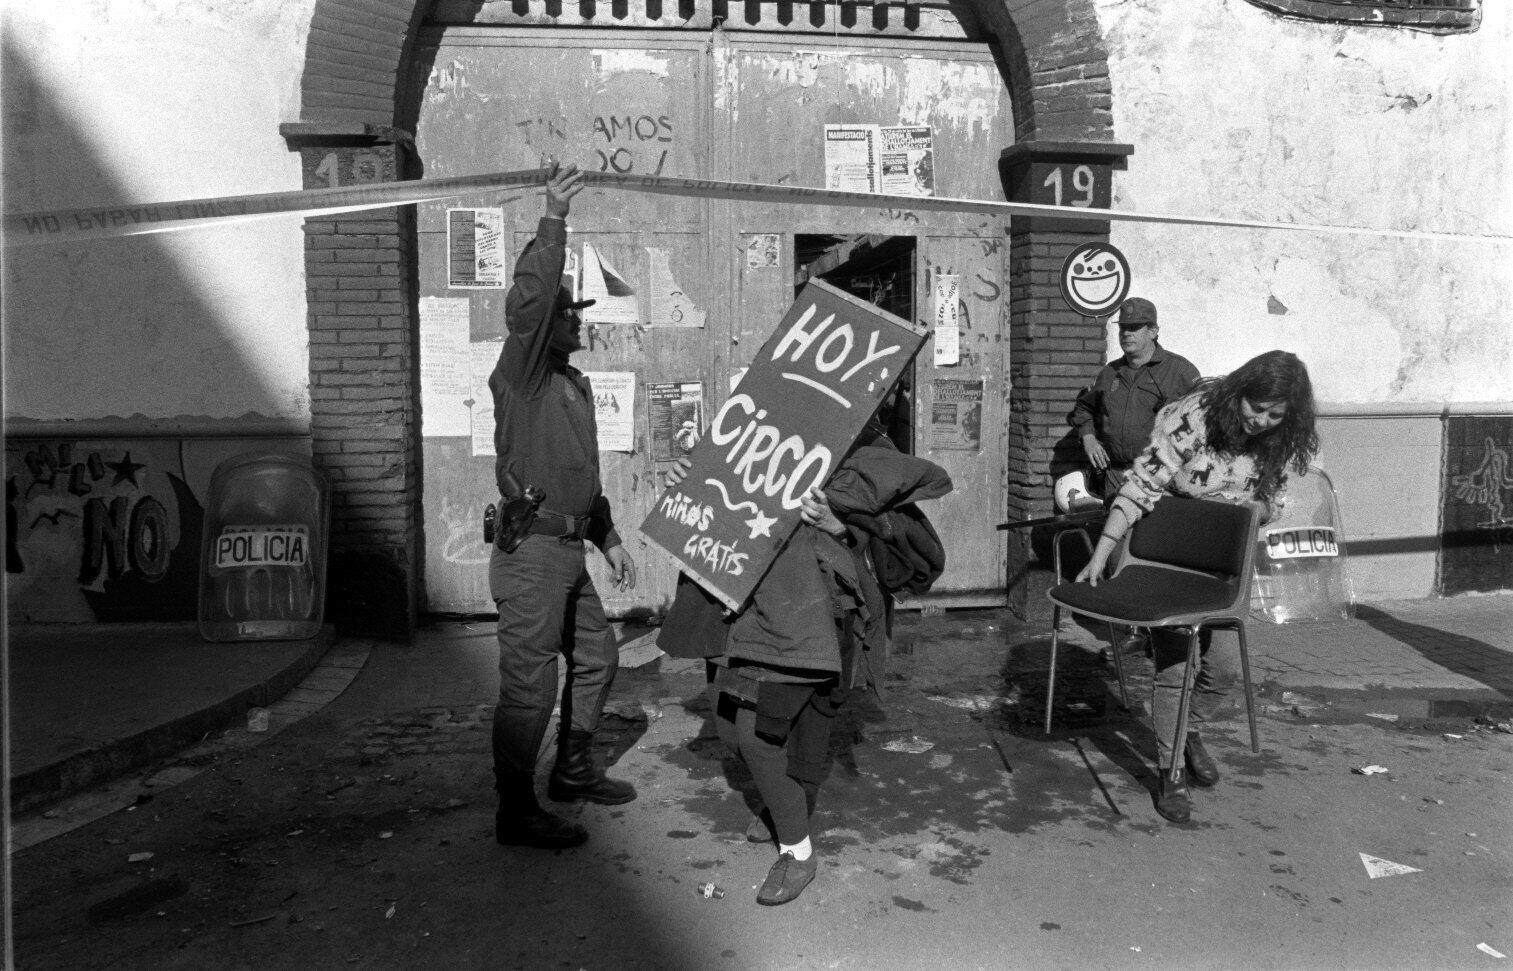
1301,566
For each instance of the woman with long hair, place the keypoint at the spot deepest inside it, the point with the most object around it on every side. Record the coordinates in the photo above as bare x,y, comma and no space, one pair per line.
1233,439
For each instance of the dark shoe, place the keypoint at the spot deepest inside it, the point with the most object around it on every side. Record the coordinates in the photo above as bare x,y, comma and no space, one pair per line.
759,830
1200,765
787,879
577,775
1172,799
539,829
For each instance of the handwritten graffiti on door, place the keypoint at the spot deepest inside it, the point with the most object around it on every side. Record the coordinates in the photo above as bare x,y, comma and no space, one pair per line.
1476,550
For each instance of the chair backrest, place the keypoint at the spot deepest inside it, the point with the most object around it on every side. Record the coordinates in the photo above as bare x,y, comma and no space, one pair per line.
1198,534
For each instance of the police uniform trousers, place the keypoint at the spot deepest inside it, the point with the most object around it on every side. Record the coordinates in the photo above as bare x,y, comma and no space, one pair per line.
547,607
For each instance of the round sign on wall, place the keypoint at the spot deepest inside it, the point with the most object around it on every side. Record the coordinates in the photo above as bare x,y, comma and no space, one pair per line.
1095,279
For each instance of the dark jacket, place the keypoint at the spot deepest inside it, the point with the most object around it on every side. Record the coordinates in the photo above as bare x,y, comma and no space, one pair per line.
790,620
904,550
544,431
1121,405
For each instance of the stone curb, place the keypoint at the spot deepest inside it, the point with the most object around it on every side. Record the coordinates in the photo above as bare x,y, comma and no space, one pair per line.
117,756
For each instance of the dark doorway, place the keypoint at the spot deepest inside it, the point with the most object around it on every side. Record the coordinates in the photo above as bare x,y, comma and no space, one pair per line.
880,270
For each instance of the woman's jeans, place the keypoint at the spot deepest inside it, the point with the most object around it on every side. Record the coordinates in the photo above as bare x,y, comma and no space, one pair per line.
1218,651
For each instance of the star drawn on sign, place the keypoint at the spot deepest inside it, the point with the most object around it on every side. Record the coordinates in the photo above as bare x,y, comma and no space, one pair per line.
125,470
761,525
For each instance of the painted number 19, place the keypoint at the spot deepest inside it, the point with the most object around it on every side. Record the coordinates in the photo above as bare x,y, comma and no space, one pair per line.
1082,181
367,167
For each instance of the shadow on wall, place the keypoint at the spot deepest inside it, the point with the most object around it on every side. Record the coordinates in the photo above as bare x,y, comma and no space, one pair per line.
100,529
1466,656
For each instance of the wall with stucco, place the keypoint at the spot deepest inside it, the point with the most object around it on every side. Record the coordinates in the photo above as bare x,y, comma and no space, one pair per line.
118,101
1234,111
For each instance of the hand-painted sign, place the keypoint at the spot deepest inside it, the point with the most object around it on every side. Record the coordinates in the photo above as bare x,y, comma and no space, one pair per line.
1095,279
798,409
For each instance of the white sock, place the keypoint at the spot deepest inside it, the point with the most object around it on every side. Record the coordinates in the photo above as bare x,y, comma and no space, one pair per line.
801,851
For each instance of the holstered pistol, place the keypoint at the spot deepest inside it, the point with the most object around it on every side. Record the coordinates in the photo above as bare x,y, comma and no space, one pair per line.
515,515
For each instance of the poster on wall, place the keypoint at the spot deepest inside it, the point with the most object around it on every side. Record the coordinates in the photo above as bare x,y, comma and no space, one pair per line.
475,249
445,376
763,251
482,357
603,283
851,158
956,414
801,404
946,305
906,165
675,415
669,305
614,409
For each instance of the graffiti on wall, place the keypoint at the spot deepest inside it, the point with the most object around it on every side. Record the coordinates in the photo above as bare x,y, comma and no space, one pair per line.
100,531
1476,551
106,530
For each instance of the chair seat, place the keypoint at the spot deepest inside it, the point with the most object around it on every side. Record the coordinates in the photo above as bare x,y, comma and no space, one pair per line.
1145,595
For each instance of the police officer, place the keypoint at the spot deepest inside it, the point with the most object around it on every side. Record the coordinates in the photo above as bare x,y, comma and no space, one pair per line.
545,439
1113,418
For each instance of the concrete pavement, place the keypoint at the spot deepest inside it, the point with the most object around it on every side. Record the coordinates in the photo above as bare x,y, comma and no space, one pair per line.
953,833
89,702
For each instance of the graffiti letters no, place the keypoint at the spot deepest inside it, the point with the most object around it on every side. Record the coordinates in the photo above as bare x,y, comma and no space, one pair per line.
121,529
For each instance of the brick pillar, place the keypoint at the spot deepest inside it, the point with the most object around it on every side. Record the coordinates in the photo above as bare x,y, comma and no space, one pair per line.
364,385
1054,351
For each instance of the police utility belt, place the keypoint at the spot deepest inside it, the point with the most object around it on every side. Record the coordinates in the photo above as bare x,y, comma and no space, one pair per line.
520,515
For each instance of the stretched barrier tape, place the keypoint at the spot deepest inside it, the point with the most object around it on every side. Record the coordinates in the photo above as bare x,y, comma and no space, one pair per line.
103,222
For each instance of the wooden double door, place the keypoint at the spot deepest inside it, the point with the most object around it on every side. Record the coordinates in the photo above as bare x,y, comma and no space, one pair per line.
700,283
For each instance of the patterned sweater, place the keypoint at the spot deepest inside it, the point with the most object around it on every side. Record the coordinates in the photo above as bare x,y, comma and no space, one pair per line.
1179,461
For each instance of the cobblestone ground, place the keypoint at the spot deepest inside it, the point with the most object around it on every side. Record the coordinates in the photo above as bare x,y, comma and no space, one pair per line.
953,832
458,730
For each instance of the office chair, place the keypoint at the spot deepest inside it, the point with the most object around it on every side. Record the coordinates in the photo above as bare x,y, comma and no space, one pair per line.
1188,565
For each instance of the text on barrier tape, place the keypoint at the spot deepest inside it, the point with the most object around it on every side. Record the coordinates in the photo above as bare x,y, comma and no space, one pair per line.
103,222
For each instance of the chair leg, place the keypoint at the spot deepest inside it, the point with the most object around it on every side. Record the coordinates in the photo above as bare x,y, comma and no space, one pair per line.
1250,698
1113,643
1050,680
1189,679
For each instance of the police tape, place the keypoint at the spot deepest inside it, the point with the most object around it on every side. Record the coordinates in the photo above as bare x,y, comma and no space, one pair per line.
104,222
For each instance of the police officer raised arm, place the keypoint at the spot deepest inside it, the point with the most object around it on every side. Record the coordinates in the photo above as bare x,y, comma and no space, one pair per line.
546,442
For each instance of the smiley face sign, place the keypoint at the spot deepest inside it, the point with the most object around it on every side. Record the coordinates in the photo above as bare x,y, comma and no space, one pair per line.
1094,279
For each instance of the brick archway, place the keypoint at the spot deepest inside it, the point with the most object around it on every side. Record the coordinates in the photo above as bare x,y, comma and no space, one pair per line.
361,292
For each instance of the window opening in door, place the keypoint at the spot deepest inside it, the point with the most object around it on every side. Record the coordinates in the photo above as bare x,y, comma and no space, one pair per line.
879,270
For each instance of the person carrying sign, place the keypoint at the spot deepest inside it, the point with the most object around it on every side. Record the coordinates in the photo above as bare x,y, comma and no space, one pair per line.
548,475
1231,439
781,667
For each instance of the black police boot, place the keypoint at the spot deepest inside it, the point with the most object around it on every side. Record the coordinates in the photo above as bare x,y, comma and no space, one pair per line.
577,775
1200,765
1172,799
520,820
